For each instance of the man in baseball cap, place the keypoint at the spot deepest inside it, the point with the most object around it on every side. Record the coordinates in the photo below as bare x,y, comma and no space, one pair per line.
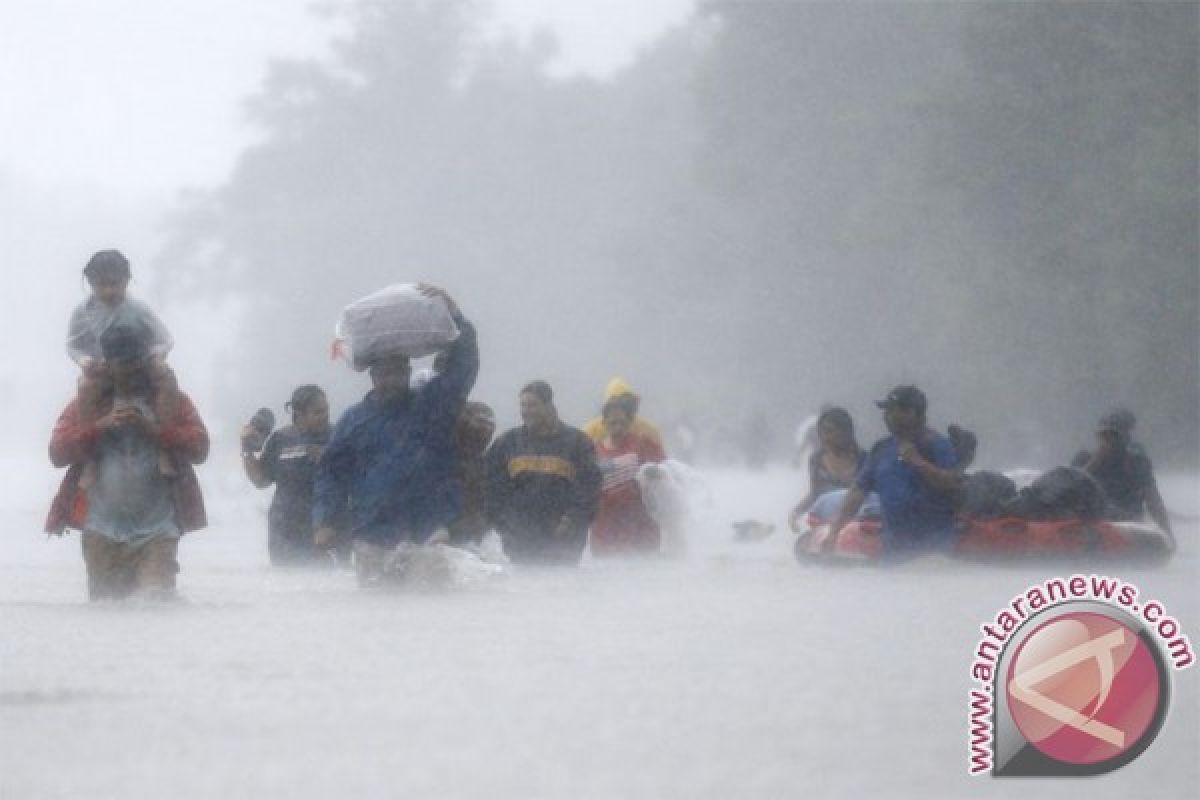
909,397
914,471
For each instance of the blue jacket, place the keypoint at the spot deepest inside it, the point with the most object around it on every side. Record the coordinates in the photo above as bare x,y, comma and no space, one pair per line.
391,468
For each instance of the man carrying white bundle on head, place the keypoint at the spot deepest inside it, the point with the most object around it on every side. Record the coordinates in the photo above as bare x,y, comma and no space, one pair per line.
391,466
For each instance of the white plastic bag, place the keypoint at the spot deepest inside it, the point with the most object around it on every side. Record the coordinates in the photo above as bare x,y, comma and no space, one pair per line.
434,565
395,321
676,497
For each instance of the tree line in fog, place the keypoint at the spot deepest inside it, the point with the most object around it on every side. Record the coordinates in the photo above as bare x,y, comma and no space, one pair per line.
778,205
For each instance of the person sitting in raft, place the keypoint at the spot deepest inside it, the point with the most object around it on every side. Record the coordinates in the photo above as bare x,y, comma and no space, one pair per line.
914,470
835,463
1124,472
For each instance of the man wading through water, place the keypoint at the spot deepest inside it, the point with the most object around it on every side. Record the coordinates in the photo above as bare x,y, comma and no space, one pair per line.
131,510
541,484
391,465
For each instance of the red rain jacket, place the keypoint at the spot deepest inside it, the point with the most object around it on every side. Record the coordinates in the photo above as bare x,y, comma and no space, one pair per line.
73,444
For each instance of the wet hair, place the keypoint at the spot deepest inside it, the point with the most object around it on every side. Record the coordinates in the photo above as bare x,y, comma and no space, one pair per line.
475,427
481,412
107,263
964,443
303,397
839,418
622,402
539,389
125,341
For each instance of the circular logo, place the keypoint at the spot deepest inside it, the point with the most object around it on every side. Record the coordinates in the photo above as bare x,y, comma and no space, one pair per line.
1084,688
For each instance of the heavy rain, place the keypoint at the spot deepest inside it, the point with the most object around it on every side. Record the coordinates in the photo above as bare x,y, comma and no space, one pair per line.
689,228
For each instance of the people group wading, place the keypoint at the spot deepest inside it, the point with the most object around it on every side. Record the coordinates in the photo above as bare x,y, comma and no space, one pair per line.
414,462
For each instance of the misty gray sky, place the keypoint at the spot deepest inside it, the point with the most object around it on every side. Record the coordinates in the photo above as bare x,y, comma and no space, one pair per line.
139,96
111,107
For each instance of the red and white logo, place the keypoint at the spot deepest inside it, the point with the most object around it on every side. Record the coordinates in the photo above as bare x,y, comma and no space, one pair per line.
1084,688
1071,678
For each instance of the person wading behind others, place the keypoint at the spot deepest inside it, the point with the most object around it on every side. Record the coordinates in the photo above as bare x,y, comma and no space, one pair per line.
914,472
289,461
130,512
541,484
391,465
472,435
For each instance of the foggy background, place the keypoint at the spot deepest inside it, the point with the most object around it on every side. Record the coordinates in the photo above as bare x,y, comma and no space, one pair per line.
746,209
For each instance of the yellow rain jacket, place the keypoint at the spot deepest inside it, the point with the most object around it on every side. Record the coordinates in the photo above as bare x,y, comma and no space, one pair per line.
641,426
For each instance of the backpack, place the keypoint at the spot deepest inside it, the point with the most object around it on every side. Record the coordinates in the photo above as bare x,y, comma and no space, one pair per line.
1061,493
987,494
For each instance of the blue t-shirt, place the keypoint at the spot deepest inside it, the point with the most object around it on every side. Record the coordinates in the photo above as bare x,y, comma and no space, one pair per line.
915,515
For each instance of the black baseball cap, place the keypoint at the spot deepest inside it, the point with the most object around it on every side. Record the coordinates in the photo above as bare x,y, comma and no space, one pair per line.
909,397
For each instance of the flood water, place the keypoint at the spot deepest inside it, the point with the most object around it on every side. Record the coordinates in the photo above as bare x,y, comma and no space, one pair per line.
732,673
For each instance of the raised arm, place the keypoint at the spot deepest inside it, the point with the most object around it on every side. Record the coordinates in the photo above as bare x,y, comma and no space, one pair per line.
259,468
452,385
938,469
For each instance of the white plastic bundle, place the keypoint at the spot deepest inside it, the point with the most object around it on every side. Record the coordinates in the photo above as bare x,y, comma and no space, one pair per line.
675,495
395,321
438,565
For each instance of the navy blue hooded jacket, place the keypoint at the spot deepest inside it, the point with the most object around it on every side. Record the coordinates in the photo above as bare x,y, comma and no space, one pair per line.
391,468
